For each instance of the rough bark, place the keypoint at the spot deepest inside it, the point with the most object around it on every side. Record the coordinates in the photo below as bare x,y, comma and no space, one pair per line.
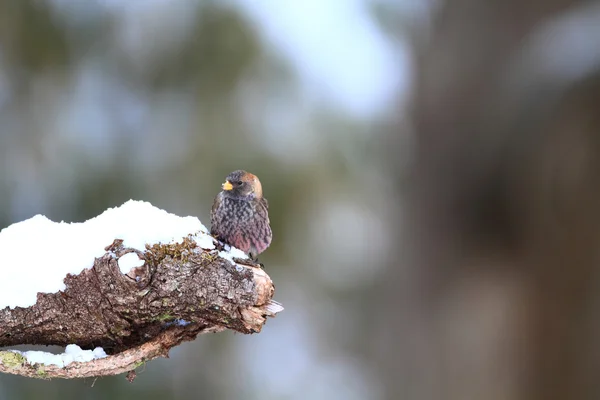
134,316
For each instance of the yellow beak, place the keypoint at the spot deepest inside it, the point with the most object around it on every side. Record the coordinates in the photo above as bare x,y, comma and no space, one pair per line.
227,185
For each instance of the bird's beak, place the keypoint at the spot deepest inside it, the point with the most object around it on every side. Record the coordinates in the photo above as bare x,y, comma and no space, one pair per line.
227,185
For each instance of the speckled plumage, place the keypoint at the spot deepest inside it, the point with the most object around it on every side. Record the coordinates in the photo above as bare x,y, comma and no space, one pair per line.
240,215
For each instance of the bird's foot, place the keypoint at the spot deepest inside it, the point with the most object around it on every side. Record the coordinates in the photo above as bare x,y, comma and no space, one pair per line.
255,259
249,262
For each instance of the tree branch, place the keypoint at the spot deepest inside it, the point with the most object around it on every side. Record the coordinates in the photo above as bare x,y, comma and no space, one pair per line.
179,292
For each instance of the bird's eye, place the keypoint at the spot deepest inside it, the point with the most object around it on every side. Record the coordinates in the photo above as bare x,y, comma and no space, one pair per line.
239,182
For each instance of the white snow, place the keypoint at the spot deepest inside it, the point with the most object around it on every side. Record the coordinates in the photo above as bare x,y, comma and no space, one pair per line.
128,261
72,353
230,252
205,241
98,352
178,322
38,253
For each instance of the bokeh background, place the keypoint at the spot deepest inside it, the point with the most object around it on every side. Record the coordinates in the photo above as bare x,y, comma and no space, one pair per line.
431,167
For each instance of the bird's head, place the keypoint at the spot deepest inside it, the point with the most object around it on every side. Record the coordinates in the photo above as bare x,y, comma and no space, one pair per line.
242,184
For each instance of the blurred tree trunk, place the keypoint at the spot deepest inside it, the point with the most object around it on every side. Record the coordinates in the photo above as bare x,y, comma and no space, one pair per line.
495,294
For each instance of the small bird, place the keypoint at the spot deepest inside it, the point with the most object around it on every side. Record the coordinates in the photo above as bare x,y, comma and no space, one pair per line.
239,215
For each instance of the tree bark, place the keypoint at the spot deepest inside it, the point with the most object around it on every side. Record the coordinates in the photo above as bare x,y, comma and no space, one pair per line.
179,292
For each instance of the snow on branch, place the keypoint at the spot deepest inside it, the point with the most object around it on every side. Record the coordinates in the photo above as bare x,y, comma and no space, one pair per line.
162,281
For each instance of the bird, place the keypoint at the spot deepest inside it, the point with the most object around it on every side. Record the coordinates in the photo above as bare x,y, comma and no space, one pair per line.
240,214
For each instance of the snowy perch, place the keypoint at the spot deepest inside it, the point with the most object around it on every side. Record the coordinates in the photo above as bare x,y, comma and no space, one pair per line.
162,281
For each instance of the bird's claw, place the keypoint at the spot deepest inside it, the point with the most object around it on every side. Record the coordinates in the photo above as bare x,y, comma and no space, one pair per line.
249,262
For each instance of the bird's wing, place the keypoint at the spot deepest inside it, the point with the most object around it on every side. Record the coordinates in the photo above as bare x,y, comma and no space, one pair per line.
265,203
215,205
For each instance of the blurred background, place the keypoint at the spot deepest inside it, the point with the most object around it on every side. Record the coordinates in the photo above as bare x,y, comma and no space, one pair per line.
431,167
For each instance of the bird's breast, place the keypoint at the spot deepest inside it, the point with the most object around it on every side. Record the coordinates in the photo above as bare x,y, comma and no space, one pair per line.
240,210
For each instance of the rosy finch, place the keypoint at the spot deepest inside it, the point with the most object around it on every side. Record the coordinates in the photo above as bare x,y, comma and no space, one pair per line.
240,215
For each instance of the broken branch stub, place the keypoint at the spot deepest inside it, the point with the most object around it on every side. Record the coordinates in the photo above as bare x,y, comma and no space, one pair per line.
179,292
